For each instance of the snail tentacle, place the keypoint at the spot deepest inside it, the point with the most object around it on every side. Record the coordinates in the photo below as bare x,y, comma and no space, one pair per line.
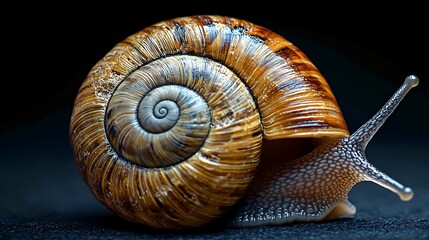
365,133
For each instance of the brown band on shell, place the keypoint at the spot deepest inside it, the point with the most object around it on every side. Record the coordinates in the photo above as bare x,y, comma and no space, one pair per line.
263,60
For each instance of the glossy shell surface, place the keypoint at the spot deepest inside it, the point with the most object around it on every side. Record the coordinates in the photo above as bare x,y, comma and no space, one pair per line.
167,128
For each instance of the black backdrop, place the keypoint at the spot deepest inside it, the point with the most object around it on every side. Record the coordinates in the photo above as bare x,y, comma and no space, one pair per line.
49,48
365,52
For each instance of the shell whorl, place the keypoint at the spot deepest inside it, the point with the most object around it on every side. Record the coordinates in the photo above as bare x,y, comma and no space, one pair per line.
167,128
176,173
163,122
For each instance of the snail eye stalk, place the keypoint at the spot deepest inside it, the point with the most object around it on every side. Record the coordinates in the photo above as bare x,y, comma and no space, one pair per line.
364,134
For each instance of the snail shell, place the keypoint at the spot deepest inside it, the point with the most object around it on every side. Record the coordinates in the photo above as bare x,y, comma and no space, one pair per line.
167,128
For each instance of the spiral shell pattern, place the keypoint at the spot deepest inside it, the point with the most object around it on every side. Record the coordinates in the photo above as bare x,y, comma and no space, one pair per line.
167,128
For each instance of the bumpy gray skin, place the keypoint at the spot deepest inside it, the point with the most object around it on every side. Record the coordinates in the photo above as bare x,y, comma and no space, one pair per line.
315,187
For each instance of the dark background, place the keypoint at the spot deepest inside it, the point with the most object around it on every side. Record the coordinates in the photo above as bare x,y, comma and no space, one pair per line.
53,47
364,52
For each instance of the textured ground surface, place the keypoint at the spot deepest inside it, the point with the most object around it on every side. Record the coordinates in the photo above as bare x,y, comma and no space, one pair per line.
44,197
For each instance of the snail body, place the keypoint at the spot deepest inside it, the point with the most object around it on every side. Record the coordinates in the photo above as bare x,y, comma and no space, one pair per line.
167,129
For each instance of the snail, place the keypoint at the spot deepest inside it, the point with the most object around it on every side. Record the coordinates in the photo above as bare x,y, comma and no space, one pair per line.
171,129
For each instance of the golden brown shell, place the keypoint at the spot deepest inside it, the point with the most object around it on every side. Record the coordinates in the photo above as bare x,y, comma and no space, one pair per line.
229,83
